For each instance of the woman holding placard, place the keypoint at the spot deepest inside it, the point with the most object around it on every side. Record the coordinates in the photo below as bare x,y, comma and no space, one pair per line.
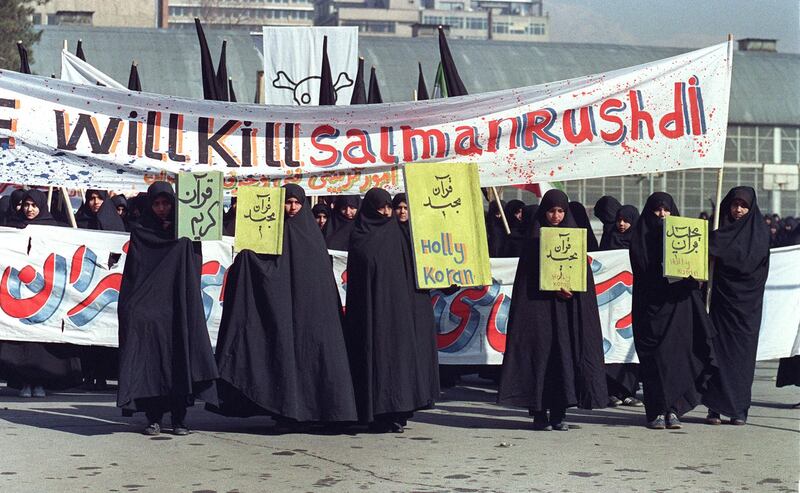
389,325
740,248
280,348
671,329
554,349
165,353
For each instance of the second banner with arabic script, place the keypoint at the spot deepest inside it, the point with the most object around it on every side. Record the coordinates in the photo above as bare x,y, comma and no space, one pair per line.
686,248
259,220
562,259
447,226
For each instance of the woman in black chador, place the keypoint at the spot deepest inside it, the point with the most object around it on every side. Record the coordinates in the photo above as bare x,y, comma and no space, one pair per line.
740,248
342,221
165,352
281,349
554,352
605,209
33,366
581,218
671,329
389,324
622,378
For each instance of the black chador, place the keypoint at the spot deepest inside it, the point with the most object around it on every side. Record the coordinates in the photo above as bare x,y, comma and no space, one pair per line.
341,222
622,378
671,329
605,209
581,218
281,349
554,350
33,366
389,324
165,352
740,248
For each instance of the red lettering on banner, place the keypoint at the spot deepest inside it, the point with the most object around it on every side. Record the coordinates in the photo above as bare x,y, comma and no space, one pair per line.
324,132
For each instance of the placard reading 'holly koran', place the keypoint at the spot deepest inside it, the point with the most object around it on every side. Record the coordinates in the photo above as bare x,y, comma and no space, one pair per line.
685,248
259,220
200,206
562,259
447,226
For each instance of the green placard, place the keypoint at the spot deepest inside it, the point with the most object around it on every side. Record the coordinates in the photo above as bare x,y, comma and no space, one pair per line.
562,259
447,226
200,206
685,248
259,220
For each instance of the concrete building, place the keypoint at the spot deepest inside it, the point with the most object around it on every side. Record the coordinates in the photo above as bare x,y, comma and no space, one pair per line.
248,15
763,118
127,13
503,20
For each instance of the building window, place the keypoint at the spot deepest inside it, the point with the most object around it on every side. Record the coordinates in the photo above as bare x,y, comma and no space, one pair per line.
535,28
455,22
500,27
477,23
433,19
790,145
70,18
36,19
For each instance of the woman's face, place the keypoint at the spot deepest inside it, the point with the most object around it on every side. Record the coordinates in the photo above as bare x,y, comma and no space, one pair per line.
662,212
622,225
162,208
30,209
518,214
555,215
94,203
122,210
292,206
386,210
739,209
402,212
321,219
349,212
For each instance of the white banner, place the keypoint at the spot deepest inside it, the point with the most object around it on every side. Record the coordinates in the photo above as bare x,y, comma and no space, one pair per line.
293,63
66,289
664,115
73,69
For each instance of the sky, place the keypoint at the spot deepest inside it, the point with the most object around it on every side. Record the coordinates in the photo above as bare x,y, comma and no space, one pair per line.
678,23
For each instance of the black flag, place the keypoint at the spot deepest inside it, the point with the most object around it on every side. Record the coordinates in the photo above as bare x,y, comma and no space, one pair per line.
79,51
222,73
454,85
206,64
422,89
359,91
327,93
134,84
24,66
231,94
374,95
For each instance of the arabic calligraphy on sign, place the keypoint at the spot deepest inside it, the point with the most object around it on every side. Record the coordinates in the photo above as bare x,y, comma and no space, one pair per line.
440,198
685,248
200,206
562,259
259,219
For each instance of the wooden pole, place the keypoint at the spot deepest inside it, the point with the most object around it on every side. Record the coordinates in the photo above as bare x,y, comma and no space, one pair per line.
68,205
502,212
49,196
717,203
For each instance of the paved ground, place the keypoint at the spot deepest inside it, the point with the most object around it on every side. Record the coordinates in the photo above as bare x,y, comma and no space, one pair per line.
78,442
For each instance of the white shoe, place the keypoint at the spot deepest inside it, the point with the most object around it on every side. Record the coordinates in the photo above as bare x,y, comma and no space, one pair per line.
38,391
25,392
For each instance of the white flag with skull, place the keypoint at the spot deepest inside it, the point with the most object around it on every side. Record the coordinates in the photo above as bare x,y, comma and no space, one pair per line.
293,63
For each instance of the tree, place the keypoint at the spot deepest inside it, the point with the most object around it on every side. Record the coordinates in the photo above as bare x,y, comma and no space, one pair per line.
16,25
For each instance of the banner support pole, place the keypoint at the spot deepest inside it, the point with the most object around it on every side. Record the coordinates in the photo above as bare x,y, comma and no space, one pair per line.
502,212
717,203
68,205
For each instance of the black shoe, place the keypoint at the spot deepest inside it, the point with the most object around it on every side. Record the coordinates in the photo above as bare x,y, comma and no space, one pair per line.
396,427
152,429
632,402
713,418
613,401
738,422
657,423
180,430
562,426
540,422
673,423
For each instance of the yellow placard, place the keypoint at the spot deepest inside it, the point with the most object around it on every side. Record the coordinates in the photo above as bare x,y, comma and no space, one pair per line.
259,220
447,226
562,259
685,248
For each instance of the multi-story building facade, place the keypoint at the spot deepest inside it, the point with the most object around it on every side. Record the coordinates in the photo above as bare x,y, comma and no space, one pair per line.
239,14
106,13
509,20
